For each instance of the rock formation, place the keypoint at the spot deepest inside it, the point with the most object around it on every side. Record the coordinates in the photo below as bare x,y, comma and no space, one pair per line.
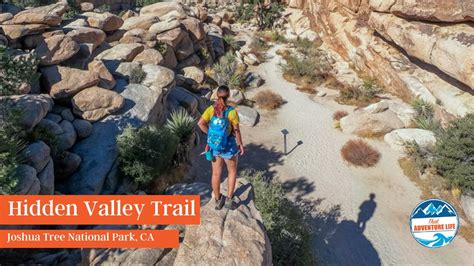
414,48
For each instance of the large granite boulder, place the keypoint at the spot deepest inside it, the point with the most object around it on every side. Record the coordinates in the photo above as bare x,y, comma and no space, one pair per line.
122,52
141,22
95,103
247,115
105,21
222,238
28,183
87,35
34,108
149,56
163,8
99,153
163,26
398,138
181,97
442,46
378,119
49,15
65,82
56,49
37,155
195,29
46,178
446,10
227,237
15,32
172,37
158,76
106,80
33,41
66,165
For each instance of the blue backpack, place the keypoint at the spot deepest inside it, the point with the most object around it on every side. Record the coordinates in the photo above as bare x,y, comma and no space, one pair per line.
217,133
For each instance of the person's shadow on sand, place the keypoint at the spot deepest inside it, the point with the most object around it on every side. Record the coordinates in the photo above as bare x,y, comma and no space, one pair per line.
367,209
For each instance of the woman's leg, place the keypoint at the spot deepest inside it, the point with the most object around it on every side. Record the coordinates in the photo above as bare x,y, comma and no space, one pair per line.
216,176
232,171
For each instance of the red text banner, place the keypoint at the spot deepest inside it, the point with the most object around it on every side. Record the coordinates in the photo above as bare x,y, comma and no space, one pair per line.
99,209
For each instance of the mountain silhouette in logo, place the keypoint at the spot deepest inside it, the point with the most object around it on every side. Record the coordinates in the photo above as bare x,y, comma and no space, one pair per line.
431,210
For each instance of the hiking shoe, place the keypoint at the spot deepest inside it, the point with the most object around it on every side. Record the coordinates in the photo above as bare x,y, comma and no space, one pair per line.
220,202
231,204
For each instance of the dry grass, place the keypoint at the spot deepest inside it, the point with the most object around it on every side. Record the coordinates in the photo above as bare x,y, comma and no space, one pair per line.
307,89
268,100
339,114
173,176
360,153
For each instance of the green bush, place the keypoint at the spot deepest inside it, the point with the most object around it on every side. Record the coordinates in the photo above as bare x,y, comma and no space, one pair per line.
137,75
146,153
13,73
454,152
244,13
226,72
31,3
285,221
16,70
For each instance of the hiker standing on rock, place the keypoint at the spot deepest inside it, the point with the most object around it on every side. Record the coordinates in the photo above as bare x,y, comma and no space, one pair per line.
224,143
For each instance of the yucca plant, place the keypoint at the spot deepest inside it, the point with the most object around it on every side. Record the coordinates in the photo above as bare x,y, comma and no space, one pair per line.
230,42
181,124
424,115
226,72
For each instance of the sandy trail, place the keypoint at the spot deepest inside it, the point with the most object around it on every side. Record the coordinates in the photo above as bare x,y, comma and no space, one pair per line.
315,170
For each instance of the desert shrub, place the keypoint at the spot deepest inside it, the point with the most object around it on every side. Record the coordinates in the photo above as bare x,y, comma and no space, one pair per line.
307,89
161,47
230,42
142,3
258,47
181,124
14,71
454,152
302,66
269,100
303,45
360,95
268,14
277,37
31,3
146,153
360,153
421,158
370,88
226,72
286,222
338,115
424,115
244,13
137,75
73,10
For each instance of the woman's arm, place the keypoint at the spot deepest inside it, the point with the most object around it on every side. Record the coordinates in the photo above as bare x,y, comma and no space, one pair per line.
238,137
203,125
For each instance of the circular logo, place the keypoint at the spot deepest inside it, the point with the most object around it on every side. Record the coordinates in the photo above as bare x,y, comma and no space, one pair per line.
434,223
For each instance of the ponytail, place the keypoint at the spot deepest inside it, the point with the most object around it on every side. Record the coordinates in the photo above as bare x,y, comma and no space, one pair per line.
221,105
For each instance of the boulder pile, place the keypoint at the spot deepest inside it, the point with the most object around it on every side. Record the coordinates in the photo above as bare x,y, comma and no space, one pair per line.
99,73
